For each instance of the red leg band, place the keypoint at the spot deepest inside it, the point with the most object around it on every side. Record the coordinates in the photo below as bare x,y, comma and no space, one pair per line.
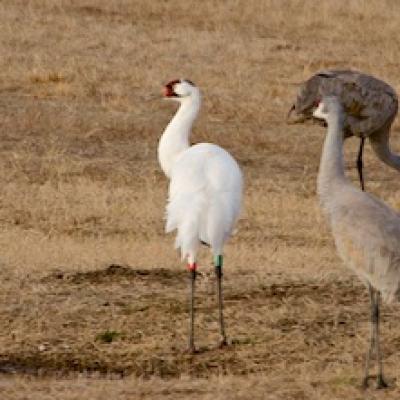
192,267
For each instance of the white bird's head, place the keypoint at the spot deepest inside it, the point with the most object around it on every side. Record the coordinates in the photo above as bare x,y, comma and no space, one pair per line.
328,107
180,89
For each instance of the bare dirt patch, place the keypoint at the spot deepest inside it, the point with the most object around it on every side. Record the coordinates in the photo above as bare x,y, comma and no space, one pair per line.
142,297
116,273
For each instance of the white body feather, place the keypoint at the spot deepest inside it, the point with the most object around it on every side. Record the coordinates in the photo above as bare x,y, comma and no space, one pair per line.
205,191
205,195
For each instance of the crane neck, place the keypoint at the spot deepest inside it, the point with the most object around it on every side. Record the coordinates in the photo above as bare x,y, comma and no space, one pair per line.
331,174
175,138
380,145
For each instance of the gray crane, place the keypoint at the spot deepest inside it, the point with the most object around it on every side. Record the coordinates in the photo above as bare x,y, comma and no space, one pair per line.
369,103
365,229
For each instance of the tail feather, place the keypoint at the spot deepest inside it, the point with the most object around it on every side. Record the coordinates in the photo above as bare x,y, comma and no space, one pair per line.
198,218
221,217
184,214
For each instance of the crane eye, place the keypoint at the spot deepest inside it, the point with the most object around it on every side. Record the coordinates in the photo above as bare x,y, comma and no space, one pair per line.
316,103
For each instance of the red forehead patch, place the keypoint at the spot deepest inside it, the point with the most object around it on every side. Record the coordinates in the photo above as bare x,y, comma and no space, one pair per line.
169,88
316,102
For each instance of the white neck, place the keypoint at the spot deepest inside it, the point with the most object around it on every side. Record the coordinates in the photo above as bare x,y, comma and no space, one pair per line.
331,175
175,138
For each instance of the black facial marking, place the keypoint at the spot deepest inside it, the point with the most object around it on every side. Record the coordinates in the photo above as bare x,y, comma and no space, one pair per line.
189,81
174,82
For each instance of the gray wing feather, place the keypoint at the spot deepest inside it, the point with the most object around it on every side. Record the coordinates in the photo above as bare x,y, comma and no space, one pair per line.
370,103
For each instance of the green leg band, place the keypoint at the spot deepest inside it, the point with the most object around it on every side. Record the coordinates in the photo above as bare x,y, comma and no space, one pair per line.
218,261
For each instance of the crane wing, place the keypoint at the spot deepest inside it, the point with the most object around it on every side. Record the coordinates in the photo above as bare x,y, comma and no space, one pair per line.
367,237
370,103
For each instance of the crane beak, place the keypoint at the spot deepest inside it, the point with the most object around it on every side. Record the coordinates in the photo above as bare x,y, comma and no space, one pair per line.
290,112
296,118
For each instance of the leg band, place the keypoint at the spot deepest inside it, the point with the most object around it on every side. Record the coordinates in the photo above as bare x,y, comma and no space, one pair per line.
192,267
218,261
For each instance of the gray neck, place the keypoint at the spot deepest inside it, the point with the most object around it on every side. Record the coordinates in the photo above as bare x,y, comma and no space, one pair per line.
331,170
380,144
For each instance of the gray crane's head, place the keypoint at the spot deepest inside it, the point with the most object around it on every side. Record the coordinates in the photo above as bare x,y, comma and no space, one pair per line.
326,83
306,101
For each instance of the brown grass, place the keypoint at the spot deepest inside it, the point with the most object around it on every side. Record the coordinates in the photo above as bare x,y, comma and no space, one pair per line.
83,253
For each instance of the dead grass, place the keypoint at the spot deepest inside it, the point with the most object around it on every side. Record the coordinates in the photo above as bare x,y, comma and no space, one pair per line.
83,253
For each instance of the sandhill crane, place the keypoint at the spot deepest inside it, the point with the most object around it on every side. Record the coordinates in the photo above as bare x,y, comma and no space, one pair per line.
205,191
366,230
370,105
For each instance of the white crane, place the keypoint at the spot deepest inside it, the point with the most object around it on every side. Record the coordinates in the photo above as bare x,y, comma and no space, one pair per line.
205,191
370,105
366,230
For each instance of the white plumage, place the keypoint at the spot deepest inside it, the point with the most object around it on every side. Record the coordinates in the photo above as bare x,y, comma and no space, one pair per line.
204,198
205,191
366,230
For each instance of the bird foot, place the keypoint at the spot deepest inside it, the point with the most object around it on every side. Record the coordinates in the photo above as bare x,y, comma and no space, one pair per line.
191,350
365,383
380,382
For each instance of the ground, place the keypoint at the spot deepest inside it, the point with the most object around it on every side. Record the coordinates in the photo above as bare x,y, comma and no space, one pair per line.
93,296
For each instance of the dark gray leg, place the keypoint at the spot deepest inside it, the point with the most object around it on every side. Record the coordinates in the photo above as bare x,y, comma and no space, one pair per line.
360,163
372,337
374,296
192,271
380,382
218,272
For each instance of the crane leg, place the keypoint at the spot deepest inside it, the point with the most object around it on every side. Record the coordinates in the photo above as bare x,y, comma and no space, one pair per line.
218,262
380,382
374,296
371,339
360,163
193,273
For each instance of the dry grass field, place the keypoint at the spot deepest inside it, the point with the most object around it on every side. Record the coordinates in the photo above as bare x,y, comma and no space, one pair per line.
93,298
